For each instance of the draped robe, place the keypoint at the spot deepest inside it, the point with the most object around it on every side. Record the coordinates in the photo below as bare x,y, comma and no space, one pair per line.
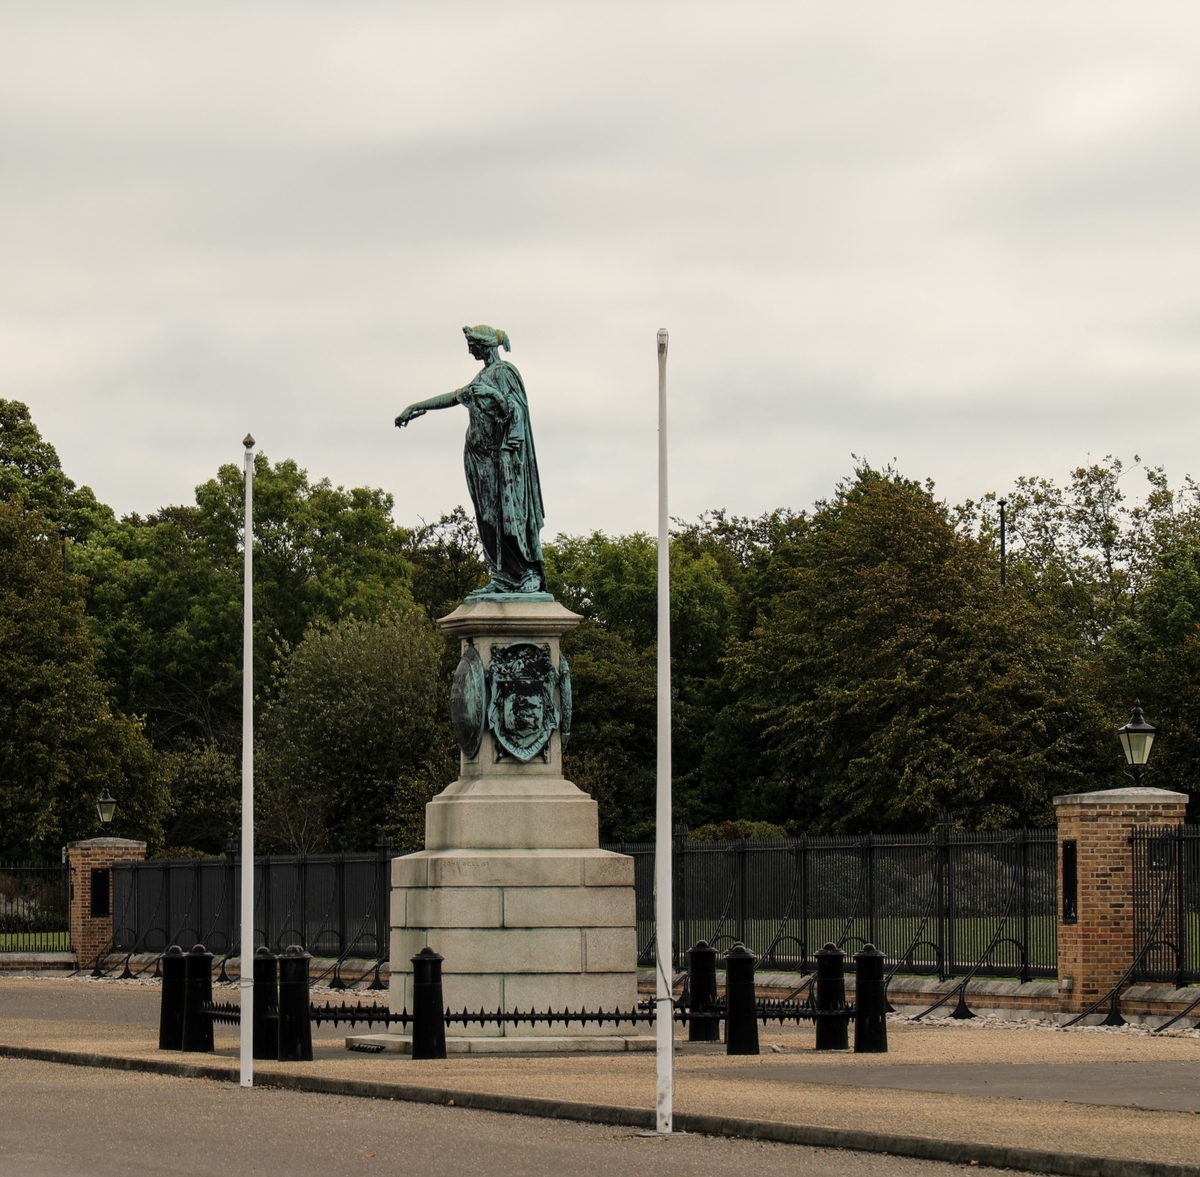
502,477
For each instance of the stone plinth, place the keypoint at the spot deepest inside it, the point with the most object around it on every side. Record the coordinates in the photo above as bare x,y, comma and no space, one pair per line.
1095,934
512,888
91,892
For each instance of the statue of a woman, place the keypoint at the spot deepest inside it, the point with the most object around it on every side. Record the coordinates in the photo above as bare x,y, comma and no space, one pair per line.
502,472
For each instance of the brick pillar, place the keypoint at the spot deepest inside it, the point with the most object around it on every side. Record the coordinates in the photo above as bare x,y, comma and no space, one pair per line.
91,934
1095,934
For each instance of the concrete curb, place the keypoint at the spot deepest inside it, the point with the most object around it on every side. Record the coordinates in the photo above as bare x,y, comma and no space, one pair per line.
36,961
1028,1160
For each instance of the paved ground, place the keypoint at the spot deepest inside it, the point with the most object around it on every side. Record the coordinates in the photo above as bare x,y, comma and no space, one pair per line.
1117,1094
63,1121
1165,1086
133,1005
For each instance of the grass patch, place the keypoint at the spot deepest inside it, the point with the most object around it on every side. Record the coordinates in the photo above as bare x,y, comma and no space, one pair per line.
35,942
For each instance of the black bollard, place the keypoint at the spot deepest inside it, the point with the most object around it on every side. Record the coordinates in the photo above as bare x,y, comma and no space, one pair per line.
266,1004
870,1002
295,1028
170,1011
197,991
829,1002
704,1022
741,1008
429,1012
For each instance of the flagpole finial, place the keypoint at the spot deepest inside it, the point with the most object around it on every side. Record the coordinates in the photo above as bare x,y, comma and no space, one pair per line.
248,441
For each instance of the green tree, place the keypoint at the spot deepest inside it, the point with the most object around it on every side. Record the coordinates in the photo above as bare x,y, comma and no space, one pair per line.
611,752
204,811
165,597
358,738
61,741
1153,654
613,583
166,591
30,471
893,676
447,563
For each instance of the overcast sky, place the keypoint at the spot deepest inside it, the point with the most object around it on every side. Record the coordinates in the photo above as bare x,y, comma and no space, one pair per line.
961,235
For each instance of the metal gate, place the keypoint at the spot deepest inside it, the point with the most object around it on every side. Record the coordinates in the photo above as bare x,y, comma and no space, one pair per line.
1166,903
35,903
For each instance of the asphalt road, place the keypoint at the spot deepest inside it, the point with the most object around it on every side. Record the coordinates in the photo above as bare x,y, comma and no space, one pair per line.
1170,1085
61,1121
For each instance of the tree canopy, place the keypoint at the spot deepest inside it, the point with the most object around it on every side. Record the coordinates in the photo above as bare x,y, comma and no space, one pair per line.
357,739
61,740
854,666
892,677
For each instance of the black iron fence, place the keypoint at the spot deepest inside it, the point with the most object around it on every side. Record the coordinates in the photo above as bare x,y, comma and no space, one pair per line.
333,905
35,905
1166,903
946,903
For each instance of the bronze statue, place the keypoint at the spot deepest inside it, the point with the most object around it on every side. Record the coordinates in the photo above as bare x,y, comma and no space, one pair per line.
501,465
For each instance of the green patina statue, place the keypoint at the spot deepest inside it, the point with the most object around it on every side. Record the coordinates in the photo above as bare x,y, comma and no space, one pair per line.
501,465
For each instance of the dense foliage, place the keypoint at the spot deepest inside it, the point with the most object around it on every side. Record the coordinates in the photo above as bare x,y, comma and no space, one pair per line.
860,666
857,666
61,740
357,739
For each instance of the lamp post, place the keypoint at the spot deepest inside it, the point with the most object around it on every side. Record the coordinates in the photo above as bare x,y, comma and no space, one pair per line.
1136,737
1003,550
106,807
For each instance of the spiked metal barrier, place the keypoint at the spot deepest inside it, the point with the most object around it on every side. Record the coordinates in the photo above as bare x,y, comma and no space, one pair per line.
740,1008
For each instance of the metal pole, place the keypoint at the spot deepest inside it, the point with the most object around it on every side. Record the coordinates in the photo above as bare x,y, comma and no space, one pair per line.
247,934
1003,551
664,1007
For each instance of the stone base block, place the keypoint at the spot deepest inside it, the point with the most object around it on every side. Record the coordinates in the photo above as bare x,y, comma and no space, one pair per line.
500,813
584,867
518,930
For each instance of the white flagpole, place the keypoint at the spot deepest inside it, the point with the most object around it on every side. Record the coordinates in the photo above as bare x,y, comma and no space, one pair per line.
247,933
664,918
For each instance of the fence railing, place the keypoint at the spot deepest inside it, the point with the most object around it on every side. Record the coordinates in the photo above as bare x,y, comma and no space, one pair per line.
1166,903
35,906
944,903
333,905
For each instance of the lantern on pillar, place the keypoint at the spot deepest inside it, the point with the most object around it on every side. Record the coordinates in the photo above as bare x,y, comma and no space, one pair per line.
1137,737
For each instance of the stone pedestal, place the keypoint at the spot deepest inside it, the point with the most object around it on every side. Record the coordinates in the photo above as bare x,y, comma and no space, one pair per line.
1095,916
512,888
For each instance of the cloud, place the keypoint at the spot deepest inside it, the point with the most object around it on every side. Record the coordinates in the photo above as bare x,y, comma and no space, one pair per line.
962,236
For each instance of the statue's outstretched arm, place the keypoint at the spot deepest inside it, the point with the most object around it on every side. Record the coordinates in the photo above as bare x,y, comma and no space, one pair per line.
445,401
